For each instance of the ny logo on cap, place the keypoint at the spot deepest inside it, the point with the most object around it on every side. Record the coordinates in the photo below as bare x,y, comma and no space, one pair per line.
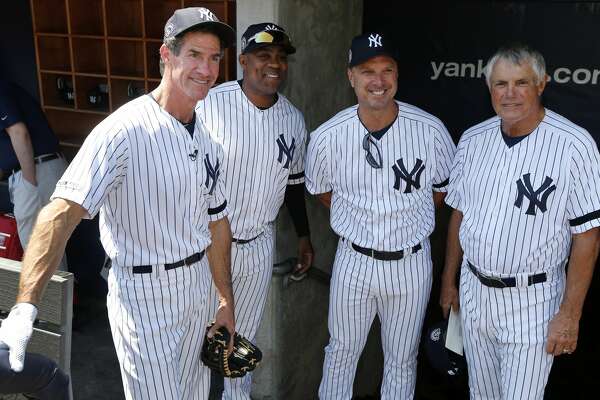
412,178
525,189
375,40
271,28
285,150
206,14
212,174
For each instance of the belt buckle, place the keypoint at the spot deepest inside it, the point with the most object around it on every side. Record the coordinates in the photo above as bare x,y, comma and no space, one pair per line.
372,253
499,281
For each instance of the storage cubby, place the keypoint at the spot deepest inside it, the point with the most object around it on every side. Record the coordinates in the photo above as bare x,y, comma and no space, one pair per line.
152,59
126,57
86,17
53,53
89,55
92,93
49,16
96,55
57,90
124,18
156,14
124,90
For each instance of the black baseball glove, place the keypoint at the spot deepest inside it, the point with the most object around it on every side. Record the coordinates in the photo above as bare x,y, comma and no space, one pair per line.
215,355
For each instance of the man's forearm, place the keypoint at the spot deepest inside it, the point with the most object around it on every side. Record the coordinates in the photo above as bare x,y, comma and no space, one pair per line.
54,226
454,252
21,143
219,259
584,252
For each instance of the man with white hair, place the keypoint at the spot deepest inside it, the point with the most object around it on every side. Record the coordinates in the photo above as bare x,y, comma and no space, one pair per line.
526,203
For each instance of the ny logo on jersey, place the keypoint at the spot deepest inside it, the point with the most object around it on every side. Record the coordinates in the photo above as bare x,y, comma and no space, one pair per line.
285,150
375,40
412,178
212,174
525,189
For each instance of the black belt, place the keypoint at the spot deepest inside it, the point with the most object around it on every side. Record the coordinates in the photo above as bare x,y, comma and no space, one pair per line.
496,282
147,269
244,241
39,160
385,255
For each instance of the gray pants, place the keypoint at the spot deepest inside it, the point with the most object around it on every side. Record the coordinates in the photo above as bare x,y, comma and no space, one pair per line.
28,200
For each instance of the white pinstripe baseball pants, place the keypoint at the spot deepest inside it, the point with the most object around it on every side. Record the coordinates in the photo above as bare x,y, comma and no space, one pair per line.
398,292
504,334
251,270
158,322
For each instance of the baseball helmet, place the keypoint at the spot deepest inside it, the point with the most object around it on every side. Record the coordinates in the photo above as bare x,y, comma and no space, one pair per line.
446,362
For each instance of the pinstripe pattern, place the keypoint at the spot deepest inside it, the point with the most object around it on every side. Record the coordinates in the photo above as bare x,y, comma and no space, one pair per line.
365,207
257,171
361,287
251,270
256,180
157,322
135,168
501,237
155,203
505,233
504,345
376,209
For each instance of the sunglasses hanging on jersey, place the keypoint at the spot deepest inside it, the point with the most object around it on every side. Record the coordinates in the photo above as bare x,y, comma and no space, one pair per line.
374,162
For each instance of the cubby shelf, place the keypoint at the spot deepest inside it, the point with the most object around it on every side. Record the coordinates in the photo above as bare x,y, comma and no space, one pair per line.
93,56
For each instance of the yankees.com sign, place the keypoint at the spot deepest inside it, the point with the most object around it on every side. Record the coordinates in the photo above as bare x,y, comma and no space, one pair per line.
579,76
443,51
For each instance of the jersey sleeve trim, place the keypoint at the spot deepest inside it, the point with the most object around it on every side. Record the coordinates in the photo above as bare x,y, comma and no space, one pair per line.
216,210
442,184
585,218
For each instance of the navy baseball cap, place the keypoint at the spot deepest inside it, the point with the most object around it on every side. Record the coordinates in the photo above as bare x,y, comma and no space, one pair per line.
266,34
369,45
185,19
446,362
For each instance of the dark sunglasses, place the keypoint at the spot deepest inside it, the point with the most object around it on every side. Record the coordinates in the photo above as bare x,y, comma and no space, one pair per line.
376,163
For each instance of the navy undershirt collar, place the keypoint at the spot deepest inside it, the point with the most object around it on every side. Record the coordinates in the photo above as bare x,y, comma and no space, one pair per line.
512,140
379,133
190,125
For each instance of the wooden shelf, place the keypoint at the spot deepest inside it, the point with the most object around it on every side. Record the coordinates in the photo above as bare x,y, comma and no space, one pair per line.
94,56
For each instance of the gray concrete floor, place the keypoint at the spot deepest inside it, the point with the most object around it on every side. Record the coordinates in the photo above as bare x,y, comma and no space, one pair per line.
94,367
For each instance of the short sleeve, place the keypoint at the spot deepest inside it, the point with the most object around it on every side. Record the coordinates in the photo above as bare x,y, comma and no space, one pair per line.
297,168
318,178
9,110
444,156
583,203
217,200
99,167
455,195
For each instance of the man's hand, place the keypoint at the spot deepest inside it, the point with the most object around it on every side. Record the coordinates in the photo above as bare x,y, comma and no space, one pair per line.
224,317
306,255
563,331
448,297
15,332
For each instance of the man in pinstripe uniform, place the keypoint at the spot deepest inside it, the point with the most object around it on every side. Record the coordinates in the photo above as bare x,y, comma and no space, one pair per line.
154,176
525,198
263,136
382,166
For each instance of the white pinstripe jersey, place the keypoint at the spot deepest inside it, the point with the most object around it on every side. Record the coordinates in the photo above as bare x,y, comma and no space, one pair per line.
521,204
264,152
154,200
380,208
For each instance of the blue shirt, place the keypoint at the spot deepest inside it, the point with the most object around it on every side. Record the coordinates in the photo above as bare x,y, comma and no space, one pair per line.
16,105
